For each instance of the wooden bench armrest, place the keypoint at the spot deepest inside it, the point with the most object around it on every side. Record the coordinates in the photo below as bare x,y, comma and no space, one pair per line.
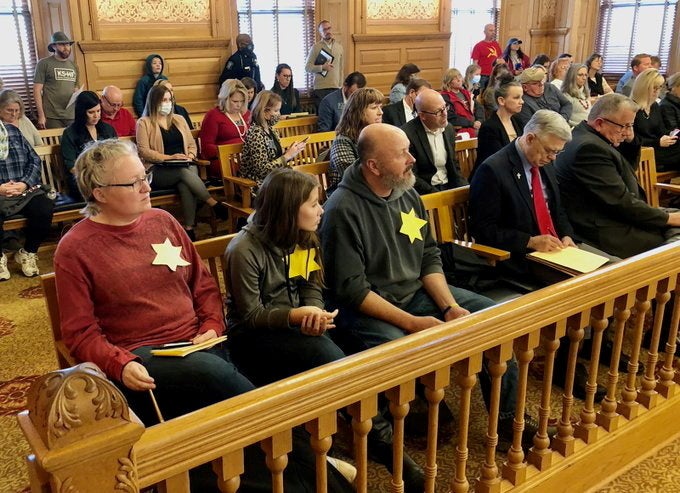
240,182
669,187
201,162
490,253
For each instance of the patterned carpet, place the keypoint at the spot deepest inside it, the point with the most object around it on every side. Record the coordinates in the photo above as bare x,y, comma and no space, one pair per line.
26,352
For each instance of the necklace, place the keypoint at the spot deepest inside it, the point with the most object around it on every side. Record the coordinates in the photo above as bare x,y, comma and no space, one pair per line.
585,103
241,135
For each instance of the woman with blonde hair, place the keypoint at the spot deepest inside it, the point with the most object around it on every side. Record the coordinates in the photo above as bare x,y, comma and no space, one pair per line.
262,150
649,126
461,105
363,108
227,123
165,142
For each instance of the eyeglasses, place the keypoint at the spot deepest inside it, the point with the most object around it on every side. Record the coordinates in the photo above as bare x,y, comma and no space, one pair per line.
439,112
622,128
113,105
135,185
549,152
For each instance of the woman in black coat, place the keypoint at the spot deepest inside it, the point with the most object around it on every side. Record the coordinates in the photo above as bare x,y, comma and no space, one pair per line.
500,128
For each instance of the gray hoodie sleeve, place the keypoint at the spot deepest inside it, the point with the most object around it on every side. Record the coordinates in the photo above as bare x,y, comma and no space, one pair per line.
245,265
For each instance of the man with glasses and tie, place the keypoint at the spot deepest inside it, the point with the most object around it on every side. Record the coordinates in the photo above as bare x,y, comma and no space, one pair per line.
432,140
114,114
539,95
602,197
515,204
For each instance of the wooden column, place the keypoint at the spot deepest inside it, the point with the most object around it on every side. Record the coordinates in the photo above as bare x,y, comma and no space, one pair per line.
79,427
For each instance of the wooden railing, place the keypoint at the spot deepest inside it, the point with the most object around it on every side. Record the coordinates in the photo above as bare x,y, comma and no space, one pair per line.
634,417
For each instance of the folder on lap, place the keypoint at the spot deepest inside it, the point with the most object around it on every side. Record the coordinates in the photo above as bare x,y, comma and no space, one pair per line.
570,260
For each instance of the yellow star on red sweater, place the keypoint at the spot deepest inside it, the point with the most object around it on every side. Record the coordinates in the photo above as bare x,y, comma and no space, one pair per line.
411,225
168,254
302,262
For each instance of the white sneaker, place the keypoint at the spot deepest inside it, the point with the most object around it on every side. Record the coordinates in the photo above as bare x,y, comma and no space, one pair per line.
28,261
4,271
344,468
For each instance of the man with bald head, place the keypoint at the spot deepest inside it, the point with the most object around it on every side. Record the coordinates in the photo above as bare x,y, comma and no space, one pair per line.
486,52
382,266
114,114
431,140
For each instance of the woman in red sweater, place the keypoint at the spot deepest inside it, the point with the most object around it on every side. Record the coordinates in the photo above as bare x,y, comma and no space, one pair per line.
128,279
461,112
227,123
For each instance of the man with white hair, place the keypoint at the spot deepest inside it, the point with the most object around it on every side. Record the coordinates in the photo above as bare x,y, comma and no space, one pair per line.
601,194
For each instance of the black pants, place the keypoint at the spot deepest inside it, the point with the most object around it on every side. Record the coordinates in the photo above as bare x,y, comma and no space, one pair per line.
38,212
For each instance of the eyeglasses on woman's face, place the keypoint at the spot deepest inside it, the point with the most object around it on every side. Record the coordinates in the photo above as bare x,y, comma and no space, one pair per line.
136,185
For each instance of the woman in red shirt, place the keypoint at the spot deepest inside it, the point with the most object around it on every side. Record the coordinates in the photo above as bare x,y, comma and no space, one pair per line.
227,123
461,106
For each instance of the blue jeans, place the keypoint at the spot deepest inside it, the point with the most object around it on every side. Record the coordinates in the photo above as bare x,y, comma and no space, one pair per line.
356,332
186,384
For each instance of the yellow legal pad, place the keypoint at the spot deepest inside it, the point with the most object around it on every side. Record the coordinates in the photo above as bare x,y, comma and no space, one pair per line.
182,351
571,260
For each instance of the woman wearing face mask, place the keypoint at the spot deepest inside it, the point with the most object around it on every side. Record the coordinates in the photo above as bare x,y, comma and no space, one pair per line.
176,109
501,128
86,127
363,108
162,136
473,75
262,150
283,86
227,123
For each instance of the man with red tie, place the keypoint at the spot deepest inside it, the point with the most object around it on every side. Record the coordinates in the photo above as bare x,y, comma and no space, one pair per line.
515,205
515,200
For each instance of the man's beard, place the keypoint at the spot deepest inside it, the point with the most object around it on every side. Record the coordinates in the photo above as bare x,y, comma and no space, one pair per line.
399,183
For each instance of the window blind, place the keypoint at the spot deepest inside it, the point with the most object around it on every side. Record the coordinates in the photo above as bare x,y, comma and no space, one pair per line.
17,64
628,27
283,31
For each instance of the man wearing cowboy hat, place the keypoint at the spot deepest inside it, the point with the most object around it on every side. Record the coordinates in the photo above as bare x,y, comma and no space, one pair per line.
55,81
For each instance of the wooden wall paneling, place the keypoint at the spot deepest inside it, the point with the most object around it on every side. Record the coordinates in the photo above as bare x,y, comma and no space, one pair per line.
582,23
193,72
516,23
380,56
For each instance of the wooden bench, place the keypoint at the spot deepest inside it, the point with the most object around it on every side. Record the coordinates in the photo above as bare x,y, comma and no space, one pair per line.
651,181
466,153
210,250
297,126
51,136
320,172
448,211
238,190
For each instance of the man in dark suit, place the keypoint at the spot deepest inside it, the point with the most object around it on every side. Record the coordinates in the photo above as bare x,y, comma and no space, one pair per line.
505,211
431,140
404,111
515,205
600,192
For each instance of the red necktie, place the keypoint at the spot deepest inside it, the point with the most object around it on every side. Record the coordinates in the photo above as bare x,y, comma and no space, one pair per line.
545,224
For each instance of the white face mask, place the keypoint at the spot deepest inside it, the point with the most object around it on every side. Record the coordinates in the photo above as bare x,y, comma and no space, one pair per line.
476,79
166,109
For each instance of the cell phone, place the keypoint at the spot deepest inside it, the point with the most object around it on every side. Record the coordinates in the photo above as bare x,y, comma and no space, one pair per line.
304,140
675,132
